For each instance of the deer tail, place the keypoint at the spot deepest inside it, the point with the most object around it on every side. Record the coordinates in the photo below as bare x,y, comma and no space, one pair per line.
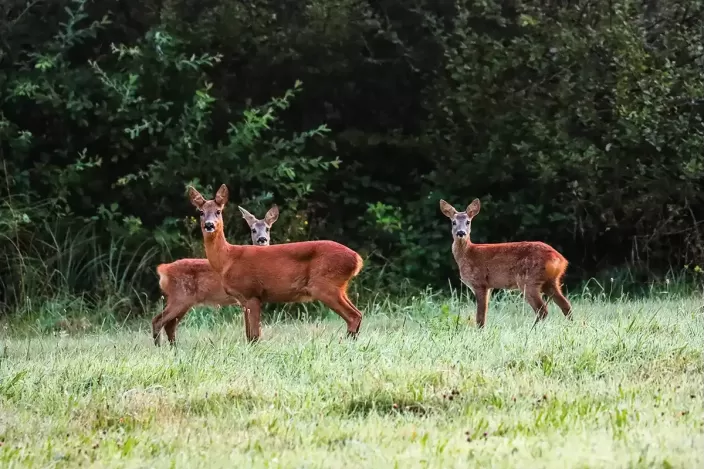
163,277
358,265
556,266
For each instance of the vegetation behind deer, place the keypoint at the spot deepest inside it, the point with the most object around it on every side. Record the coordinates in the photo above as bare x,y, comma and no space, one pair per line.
577,126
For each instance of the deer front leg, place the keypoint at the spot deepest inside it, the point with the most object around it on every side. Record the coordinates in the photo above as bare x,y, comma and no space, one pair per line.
253,310
482,295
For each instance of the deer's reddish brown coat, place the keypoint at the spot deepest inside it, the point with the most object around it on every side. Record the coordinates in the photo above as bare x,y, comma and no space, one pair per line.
294,272
533,267
189,282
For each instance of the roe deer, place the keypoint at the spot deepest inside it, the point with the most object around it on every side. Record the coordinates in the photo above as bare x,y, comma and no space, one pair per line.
189,282
531,266
283,273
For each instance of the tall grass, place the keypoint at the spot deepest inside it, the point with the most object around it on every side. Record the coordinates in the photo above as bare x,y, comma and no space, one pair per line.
53,272
56,274
82,384
620,386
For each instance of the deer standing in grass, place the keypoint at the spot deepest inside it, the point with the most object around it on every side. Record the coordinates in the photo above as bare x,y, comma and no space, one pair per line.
530,266
283,273
189,282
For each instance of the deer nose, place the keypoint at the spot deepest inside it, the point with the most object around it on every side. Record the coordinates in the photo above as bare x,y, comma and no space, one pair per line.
209,226
461,234
261,240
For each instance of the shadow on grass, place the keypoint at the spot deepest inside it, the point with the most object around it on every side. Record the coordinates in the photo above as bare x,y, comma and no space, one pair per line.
386,405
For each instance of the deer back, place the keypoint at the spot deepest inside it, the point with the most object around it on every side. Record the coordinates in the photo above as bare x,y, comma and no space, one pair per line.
288,272
193,279
507,265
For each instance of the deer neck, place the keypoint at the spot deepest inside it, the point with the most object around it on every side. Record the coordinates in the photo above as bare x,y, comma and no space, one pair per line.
217,249
463,249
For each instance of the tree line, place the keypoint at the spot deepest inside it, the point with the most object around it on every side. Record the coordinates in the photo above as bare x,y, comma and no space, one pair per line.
578,123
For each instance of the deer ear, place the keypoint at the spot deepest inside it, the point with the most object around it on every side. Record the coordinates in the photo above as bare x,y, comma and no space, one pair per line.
221,197
473,208
447,209
196,198
249,218
272,215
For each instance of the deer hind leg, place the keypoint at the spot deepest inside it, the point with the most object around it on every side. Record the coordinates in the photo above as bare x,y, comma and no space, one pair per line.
169,319
157,325
170,329
532,293
170,326
160,321
353,308
337,300
552,288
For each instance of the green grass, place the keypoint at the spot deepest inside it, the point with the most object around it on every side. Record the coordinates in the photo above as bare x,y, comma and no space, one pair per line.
621,386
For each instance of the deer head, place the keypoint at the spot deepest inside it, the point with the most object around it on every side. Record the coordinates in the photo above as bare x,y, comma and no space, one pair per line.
260,228
461,220
210,211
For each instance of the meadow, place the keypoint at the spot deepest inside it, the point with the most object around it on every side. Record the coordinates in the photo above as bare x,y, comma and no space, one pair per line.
620,386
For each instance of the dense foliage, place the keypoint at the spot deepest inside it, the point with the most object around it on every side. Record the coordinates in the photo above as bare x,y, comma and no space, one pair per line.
577,123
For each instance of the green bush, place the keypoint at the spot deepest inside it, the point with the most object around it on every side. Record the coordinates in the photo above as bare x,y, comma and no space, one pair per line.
575,124
107,144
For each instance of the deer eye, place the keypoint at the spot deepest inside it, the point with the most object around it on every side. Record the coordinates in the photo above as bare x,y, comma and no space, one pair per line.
200,212
254,230
467,222
267,230
454,223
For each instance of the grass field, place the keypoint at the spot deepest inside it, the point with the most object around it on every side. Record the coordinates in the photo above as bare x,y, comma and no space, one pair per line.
621,386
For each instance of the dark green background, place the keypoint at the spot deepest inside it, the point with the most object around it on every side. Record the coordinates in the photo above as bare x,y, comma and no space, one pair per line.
576,123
